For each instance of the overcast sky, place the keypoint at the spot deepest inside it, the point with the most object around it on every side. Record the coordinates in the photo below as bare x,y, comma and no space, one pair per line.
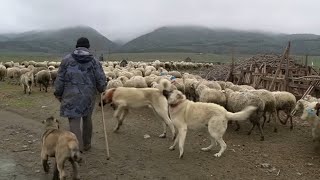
123,19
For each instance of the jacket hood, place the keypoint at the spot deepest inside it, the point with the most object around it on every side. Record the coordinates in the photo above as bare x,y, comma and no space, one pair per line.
82,55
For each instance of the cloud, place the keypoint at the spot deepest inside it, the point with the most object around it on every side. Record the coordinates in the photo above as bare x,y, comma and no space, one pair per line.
126,19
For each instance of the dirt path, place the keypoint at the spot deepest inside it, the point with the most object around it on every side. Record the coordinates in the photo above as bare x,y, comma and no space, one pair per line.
287,154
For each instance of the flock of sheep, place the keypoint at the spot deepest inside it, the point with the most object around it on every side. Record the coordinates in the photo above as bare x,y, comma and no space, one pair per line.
148,74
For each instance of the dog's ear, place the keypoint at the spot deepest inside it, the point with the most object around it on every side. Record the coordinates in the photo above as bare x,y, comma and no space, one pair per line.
317,108
179,96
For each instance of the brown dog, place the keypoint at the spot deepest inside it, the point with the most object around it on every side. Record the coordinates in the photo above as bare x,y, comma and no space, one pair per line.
63,145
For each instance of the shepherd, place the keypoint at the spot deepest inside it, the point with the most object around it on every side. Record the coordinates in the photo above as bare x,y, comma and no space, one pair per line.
79,78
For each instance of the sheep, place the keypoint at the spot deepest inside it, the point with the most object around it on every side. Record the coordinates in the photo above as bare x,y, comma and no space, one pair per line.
139,82
51,68
236,101
150,79
142,71
114,83
210,84
137,72
3,72
270,105
27,80
156,64
112,75
43,78
209,95
285,101
24,70
53,75
41,64
178,83
189,90
9,64
33,63
126,73
52,63
13,73
241,87
222,84
123,79
176,74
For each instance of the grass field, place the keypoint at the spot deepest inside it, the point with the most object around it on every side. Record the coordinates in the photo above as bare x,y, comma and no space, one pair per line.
195,57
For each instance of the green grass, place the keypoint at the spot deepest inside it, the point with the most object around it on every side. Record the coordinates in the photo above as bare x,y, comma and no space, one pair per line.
195,57
13,96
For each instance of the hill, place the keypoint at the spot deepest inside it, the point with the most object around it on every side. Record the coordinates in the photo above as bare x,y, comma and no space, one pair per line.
54,41
220,41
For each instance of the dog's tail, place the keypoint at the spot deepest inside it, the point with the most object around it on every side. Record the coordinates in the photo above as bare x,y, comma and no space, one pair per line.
74,151
165,87
242,115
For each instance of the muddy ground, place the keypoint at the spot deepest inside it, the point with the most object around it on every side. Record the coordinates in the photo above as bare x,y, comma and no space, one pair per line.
283,155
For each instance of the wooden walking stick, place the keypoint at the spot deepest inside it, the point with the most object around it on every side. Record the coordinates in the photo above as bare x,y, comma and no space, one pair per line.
104,127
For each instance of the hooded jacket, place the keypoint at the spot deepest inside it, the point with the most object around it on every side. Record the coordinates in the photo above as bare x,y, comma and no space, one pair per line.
79,78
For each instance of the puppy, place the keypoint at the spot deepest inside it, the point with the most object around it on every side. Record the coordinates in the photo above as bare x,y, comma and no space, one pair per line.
63,145
310,114
124,98
188,114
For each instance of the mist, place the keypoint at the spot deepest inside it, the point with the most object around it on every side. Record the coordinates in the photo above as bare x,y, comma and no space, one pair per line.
122,20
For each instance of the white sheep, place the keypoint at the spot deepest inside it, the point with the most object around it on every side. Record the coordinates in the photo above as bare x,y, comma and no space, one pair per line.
176,74
286,102
209,95
114,83
3,72
270,105
239,100
43,78
150,79
14,73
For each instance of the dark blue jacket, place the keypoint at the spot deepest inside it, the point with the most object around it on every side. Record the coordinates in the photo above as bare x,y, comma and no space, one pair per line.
79,78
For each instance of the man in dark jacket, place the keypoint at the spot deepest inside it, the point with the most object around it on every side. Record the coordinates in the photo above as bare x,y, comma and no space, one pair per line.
79,78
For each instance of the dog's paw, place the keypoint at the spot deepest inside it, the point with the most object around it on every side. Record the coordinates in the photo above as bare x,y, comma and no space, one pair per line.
46,166
171,148
181,156
217,154
163,135
116,129
173,137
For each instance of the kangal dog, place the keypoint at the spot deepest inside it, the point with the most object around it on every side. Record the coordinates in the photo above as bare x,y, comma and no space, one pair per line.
188,114
27,80
63,145
311,114
124,98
